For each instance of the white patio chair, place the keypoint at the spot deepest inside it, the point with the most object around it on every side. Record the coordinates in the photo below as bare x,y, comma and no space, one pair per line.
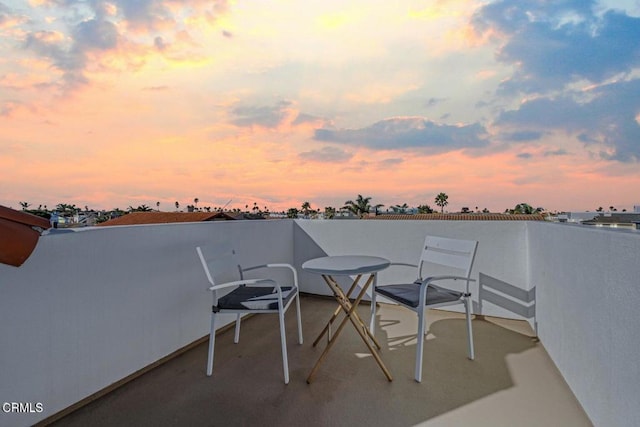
441,254
234,294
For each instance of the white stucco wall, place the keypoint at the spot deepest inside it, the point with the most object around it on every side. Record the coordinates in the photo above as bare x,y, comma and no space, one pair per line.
89,308
588,294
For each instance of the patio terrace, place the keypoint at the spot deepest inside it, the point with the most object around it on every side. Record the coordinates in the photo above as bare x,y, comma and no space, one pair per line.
93,307
511,382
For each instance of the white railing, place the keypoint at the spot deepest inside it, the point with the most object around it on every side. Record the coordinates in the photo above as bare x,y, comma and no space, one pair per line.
91,307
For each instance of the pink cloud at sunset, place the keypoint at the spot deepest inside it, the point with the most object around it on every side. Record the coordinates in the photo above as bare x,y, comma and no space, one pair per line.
122,103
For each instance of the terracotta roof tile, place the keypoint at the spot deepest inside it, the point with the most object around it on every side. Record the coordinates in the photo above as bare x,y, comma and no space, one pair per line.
20,232
462,217
135,218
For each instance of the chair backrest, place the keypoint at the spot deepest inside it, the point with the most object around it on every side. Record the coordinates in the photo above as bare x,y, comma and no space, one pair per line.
448,252
220,263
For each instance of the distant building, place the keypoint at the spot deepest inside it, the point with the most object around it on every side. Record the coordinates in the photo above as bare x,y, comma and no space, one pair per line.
628,220
577,217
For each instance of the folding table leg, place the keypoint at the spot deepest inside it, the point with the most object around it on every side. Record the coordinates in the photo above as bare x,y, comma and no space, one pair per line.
352,315
337,311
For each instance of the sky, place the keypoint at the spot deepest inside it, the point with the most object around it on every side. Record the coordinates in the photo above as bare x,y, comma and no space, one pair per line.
125,103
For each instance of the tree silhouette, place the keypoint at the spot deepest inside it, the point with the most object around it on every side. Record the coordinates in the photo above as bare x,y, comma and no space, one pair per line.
442,201
523,208
65,208
329,212
361,206
425,209
400,208
306,208
141,208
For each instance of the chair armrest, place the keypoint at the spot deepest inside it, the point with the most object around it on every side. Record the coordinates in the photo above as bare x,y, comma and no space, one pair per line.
277,265
403,264
428,280
436,278
256,282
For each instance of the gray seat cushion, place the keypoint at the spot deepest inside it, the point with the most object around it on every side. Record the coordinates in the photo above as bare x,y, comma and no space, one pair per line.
409,294
254,298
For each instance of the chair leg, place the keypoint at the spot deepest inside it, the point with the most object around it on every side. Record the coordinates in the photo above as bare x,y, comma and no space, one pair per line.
298,313
236,337
467,304
422,318
372,321
212,342
426,330
283,341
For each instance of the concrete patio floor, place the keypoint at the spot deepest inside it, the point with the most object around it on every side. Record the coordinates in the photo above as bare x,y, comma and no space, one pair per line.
512,381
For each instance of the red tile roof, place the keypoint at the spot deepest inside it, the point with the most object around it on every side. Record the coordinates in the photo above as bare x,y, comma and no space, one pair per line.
135,218
461,217
20,232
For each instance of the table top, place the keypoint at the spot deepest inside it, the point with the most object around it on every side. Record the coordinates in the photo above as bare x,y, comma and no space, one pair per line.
346,265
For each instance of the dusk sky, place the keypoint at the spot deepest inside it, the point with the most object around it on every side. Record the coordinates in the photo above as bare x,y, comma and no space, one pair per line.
127,102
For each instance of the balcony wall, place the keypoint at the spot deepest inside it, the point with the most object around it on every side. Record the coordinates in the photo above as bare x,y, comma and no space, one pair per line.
94,306
588,294
89,308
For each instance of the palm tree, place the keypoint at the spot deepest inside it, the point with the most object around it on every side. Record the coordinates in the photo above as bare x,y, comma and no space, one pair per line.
400,208
441,200
177,205
195,203
306,208
158,206
25,205
361,206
